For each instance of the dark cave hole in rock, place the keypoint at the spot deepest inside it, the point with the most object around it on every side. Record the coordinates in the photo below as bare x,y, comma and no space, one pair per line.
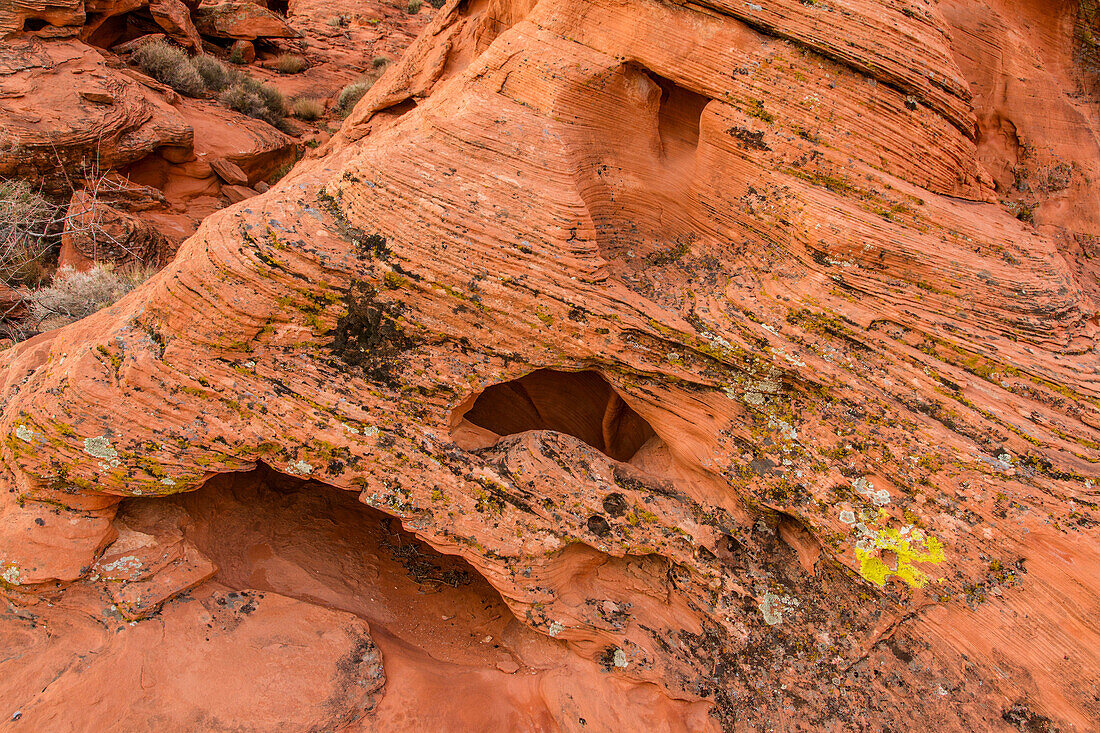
728,549
598,526
30,25
679,117
439,624
303,539
581,404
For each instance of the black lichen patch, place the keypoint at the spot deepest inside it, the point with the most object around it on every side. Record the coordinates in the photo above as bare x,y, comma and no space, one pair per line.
358,678
748,138
1025,719
367,246
368,335
372,246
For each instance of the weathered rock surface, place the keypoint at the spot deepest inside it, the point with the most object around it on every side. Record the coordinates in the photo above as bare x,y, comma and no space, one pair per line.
711,337
97,232
241,20
59,126
46,18
279,663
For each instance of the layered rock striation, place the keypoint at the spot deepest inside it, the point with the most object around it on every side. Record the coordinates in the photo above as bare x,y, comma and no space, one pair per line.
721,343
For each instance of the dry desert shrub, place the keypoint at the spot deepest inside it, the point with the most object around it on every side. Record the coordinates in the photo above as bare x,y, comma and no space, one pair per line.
170,65
256,99
215,75
197,75
351,94
28,225
74,295
289,63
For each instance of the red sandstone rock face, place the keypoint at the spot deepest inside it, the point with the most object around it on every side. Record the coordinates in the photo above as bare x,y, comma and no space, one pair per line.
67,115
58,18
241,20
709,337
97,232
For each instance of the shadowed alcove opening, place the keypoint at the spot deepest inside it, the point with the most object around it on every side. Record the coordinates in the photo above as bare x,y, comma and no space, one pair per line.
678,118
439,624
581,404
637,167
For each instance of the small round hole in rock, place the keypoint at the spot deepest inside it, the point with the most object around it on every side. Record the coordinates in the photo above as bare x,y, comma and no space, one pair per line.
614,504
598,526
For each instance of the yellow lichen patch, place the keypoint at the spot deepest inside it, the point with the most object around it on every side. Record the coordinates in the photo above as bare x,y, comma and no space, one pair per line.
907,551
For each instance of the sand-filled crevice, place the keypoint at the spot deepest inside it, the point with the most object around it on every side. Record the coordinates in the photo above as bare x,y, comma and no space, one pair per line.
581,404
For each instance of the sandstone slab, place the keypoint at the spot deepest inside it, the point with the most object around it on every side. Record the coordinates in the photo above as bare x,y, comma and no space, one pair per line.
700,332
241,21
52,132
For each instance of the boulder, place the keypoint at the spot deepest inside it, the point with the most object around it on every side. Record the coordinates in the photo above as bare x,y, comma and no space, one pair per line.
98,233
55,123
229,171
175,18
43,18
243,52
236,194
241,20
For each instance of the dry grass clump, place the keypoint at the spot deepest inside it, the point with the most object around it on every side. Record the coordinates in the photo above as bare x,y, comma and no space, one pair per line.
216,76
170,65
355,91
413,7
289,63
350,95
74,295
256,99
307,109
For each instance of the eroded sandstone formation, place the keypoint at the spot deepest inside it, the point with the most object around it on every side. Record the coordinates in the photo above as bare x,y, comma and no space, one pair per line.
745,354
66,114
